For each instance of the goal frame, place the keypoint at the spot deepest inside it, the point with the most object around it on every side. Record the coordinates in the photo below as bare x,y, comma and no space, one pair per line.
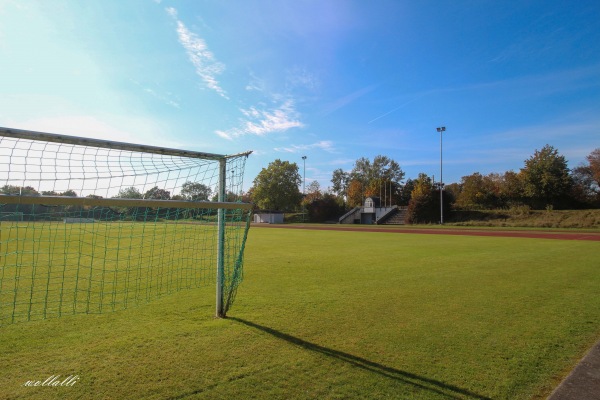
220,205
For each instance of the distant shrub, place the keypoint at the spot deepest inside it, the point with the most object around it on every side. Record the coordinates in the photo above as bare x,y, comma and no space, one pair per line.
520,210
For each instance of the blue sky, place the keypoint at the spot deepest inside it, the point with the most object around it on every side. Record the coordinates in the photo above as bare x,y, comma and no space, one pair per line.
332,80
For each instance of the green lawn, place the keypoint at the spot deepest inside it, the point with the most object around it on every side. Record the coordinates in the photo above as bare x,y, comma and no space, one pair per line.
327,315
49,269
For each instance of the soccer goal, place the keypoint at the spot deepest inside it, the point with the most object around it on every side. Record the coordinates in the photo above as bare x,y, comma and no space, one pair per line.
89,225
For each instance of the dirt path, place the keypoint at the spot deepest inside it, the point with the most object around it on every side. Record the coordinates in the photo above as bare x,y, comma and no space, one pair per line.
550,234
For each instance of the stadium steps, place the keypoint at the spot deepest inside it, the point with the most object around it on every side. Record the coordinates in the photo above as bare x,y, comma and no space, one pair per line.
395,217
348,218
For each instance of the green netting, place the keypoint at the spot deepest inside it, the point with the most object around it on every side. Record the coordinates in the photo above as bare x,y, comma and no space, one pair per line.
75,257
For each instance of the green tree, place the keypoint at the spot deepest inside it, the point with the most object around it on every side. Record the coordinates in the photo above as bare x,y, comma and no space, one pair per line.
157,194
326,208
424,204
585,193
546,178
230,197
313,192
594,160
381,167
355,193
340,181
70,208
247,197
389,192
406,192
453,190
380,177
479,192
69,193
277,187
19,190
194,191
511,189
129,193
586,182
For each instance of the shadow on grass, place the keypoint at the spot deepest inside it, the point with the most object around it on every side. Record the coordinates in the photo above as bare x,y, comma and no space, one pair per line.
418,381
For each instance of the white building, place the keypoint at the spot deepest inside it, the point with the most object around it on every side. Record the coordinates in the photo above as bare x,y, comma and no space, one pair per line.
268,218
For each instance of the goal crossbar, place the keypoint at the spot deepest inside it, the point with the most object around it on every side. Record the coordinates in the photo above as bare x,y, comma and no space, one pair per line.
109,144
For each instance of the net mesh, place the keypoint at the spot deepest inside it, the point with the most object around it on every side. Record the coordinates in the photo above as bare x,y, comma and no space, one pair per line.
62,257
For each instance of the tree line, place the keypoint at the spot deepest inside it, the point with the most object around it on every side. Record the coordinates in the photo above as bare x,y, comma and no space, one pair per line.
544,182
190,191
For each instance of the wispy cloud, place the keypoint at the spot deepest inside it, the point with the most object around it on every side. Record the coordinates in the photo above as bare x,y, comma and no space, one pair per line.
345,100
204,61
539,85
544,84
341,161
404,104
300,77
255,84
325,145
119,128
569,137
550,131
260,122
164,98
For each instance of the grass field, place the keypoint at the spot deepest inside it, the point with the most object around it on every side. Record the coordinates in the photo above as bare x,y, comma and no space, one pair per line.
334,315
50,269
524,217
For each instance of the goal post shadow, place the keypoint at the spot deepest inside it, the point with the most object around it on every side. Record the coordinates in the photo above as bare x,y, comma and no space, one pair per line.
418,381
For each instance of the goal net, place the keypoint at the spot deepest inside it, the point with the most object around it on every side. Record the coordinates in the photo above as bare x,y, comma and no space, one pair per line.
89,226
11,216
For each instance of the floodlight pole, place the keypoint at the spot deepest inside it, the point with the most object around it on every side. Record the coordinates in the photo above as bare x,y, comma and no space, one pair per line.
303,186
441,130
